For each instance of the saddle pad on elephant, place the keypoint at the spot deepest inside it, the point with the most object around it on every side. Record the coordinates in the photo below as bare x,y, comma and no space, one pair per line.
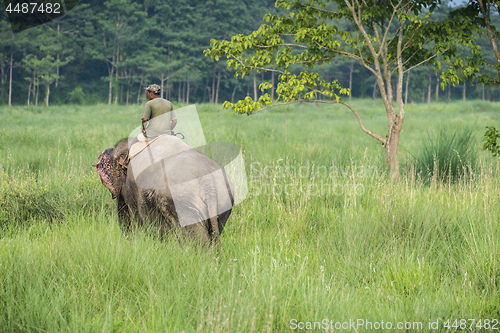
137,147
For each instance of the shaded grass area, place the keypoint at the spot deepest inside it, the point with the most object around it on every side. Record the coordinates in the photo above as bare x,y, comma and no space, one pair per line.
322,234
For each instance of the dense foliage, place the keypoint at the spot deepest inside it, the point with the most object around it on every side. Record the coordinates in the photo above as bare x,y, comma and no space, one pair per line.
108,50
105,51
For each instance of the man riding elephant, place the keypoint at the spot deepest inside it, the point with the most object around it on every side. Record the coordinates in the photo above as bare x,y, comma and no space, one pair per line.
158,116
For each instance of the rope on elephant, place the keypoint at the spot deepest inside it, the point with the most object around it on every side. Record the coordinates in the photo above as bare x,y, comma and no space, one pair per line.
179,134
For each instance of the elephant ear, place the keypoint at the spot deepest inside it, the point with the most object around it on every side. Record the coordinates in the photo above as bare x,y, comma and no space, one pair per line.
107,170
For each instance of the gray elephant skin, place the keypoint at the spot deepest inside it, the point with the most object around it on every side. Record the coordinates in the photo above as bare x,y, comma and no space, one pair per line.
175,188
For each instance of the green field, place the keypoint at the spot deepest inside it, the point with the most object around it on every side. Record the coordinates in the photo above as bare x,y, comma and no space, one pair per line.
323,235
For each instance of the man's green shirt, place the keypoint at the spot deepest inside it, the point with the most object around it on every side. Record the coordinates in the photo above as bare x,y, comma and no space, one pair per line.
160,113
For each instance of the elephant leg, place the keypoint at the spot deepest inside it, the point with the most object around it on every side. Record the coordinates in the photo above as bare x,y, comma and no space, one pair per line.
124,216
223,217
214,222
155,211
198,232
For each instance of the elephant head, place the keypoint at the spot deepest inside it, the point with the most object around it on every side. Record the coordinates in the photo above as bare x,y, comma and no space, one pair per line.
112,168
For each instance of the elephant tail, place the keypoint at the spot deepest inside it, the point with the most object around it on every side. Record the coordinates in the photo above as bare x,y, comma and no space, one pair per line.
211,200
214,219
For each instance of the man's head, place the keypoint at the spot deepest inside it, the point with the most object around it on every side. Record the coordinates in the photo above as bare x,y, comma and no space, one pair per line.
153,91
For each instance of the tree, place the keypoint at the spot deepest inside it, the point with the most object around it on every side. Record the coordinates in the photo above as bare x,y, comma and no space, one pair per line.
9,46
47,55
388,38
119,27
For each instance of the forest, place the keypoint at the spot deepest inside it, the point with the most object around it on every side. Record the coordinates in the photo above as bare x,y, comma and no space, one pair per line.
107,52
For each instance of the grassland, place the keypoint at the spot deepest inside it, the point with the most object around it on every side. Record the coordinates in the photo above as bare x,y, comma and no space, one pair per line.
322,234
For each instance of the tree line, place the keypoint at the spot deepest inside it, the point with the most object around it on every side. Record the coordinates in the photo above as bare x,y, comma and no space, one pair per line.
107,52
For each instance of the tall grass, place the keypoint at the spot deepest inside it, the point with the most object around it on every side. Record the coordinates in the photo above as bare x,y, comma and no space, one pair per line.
322,234
449,155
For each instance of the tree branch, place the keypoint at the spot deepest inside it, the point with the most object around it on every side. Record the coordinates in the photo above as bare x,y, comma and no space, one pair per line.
284,44
254,67
363,128
370,133
279,104
486,16
420,63
322,9
389,24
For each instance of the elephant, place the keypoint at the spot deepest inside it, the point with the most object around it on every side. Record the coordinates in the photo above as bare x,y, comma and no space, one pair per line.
168,186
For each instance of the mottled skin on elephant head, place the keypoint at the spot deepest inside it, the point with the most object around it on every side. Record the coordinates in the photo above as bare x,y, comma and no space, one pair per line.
112,167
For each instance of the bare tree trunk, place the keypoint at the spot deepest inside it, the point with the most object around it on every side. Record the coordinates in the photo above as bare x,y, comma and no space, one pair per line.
406,89
255,97
183,91
33,91
116,96
110,92
437,90
37,90
374,95
57,69
29,94
212,92
128,91
10,79
464,92
140,88
117,68
47,95
483,90
217,91
187,92
3,76
179,92
232,95
351,69
429,90
161,93
272,88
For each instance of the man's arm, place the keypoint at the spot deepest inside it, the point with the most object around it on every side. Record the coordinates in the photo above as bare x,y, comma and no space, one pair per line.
173,117
146,115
